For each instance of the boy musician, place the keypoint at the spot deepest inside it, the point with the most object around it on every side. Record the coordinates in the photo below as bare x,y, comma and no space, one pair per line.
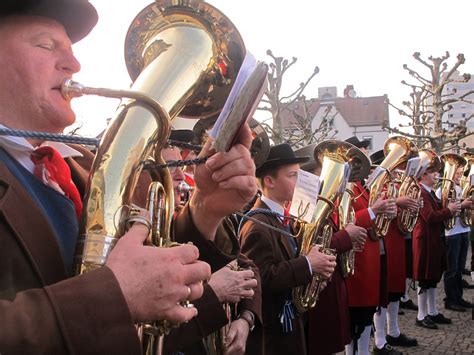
276,254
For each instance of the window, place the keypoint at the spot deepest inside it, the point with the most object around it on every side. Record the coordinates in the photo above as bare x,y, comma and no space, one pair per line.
368,138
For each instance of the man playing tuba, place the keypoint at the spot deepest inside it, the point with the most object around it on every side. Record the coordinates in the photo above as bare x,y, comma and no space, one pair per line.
47,310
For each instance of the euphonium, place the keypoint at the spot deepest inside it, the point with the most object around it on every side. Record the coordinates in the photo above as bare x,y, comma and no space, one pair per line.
337,159
452,162
407,218
397,151
185,55
467,189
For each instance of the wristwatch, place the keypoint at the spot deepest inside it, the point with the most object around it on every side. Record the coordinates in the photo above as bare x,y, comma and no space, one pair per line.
249,318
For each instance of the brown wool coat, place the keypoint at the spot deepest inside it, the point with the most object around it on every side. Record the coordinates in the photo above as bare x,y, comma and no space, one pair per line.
41,311
280,272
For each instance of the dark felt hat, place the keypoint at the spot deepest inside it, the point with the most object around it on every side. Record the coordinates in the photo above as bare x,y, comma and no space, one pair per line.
77,16
308,151
279,155
358,143
377,157
182,135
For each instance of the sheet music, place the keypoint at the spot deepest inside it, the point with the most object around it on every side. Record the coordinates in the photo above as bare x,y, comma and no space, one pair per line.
413,165
378,171
242,102
422,168
305,195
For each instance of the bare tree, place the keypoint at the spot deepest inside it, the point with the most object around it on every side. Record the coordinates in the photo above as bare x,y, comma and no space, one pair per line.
294,107
429,102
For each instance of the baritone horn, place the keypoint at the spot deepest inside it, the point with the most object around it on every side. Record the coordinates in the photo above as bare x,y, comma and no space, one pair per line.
346,212
467,189
452,162
183,57
397,151
337,158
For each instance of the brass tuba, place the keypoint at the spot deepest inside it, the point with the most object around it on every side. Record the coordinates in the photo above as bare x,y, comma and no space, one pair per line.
346,211
184,54
467,189
452,162
337,159
397,151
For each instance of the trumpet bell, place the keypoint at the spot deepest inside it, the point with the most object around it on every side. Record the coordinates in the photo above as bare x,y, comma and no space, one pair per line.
183,39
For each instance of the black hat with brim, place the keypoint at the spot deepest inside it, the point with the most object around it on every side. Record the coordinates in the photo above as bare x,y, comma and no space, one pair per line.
377,157
279,155
307,151
358,143
77,16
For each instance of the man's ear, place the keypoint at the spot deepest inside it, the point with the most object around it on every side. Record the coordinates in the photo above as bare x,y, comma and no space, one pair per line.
268,181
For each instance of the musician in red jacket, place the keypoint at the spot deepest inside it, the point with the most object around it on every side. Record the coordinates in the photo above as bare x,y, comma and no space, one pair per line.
429,254
364,286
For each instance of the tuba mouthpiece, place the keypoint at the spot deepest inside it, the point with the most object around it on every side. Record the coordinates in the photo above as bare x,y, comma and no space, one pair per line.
71,89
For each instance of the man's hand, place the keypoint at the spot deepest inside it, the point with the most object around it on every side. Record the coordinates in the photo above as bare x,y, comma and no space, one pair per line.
407,202
154,280
224,184
236,338
231,286
358,235
454,207
321,263
384,206
467,203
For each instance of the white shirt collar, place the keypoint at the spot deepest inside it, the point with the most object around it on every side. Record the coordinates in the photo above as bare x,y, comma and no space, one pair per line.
20,149
274,206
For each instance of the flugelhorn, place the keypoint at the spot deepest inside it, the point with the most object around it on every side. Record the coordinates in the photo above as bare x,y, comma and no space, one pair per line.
452,162
467,189
337,158
397,151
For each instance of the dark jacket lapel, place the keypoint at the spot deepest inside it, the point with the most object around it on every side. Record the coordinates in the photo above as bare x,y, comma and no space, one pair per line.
282,238
31,228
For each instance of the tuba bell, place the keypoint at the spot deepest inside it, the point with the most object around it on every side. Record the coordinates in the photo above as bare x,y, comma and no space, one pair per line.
184,55
397,151
467,189
337,158
452,162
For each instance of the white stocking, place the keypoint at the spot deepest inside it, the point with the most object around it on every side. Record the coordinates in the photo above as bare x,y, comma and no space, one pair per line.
380,319
392,319
432,309
422,304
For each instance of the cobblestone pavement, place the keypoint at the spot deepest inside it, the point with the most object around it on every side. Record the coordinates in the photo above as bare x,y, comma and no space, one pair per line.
455,338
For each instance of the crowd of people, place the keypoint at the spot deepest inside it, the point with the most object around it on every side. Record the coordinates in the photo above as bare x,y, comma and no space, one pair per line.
234,282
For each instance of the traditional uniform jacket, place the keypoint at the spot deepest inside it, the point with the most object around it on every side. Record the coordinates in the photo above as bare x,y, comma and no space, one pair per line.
429,253
280,271
396,254
188,338
363,287
41,311
329,329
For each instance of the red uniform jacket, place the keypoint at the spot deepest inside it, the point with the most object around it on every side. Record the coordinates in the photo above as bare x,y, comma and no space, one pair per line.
329,325
363,287
396,254
429,254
